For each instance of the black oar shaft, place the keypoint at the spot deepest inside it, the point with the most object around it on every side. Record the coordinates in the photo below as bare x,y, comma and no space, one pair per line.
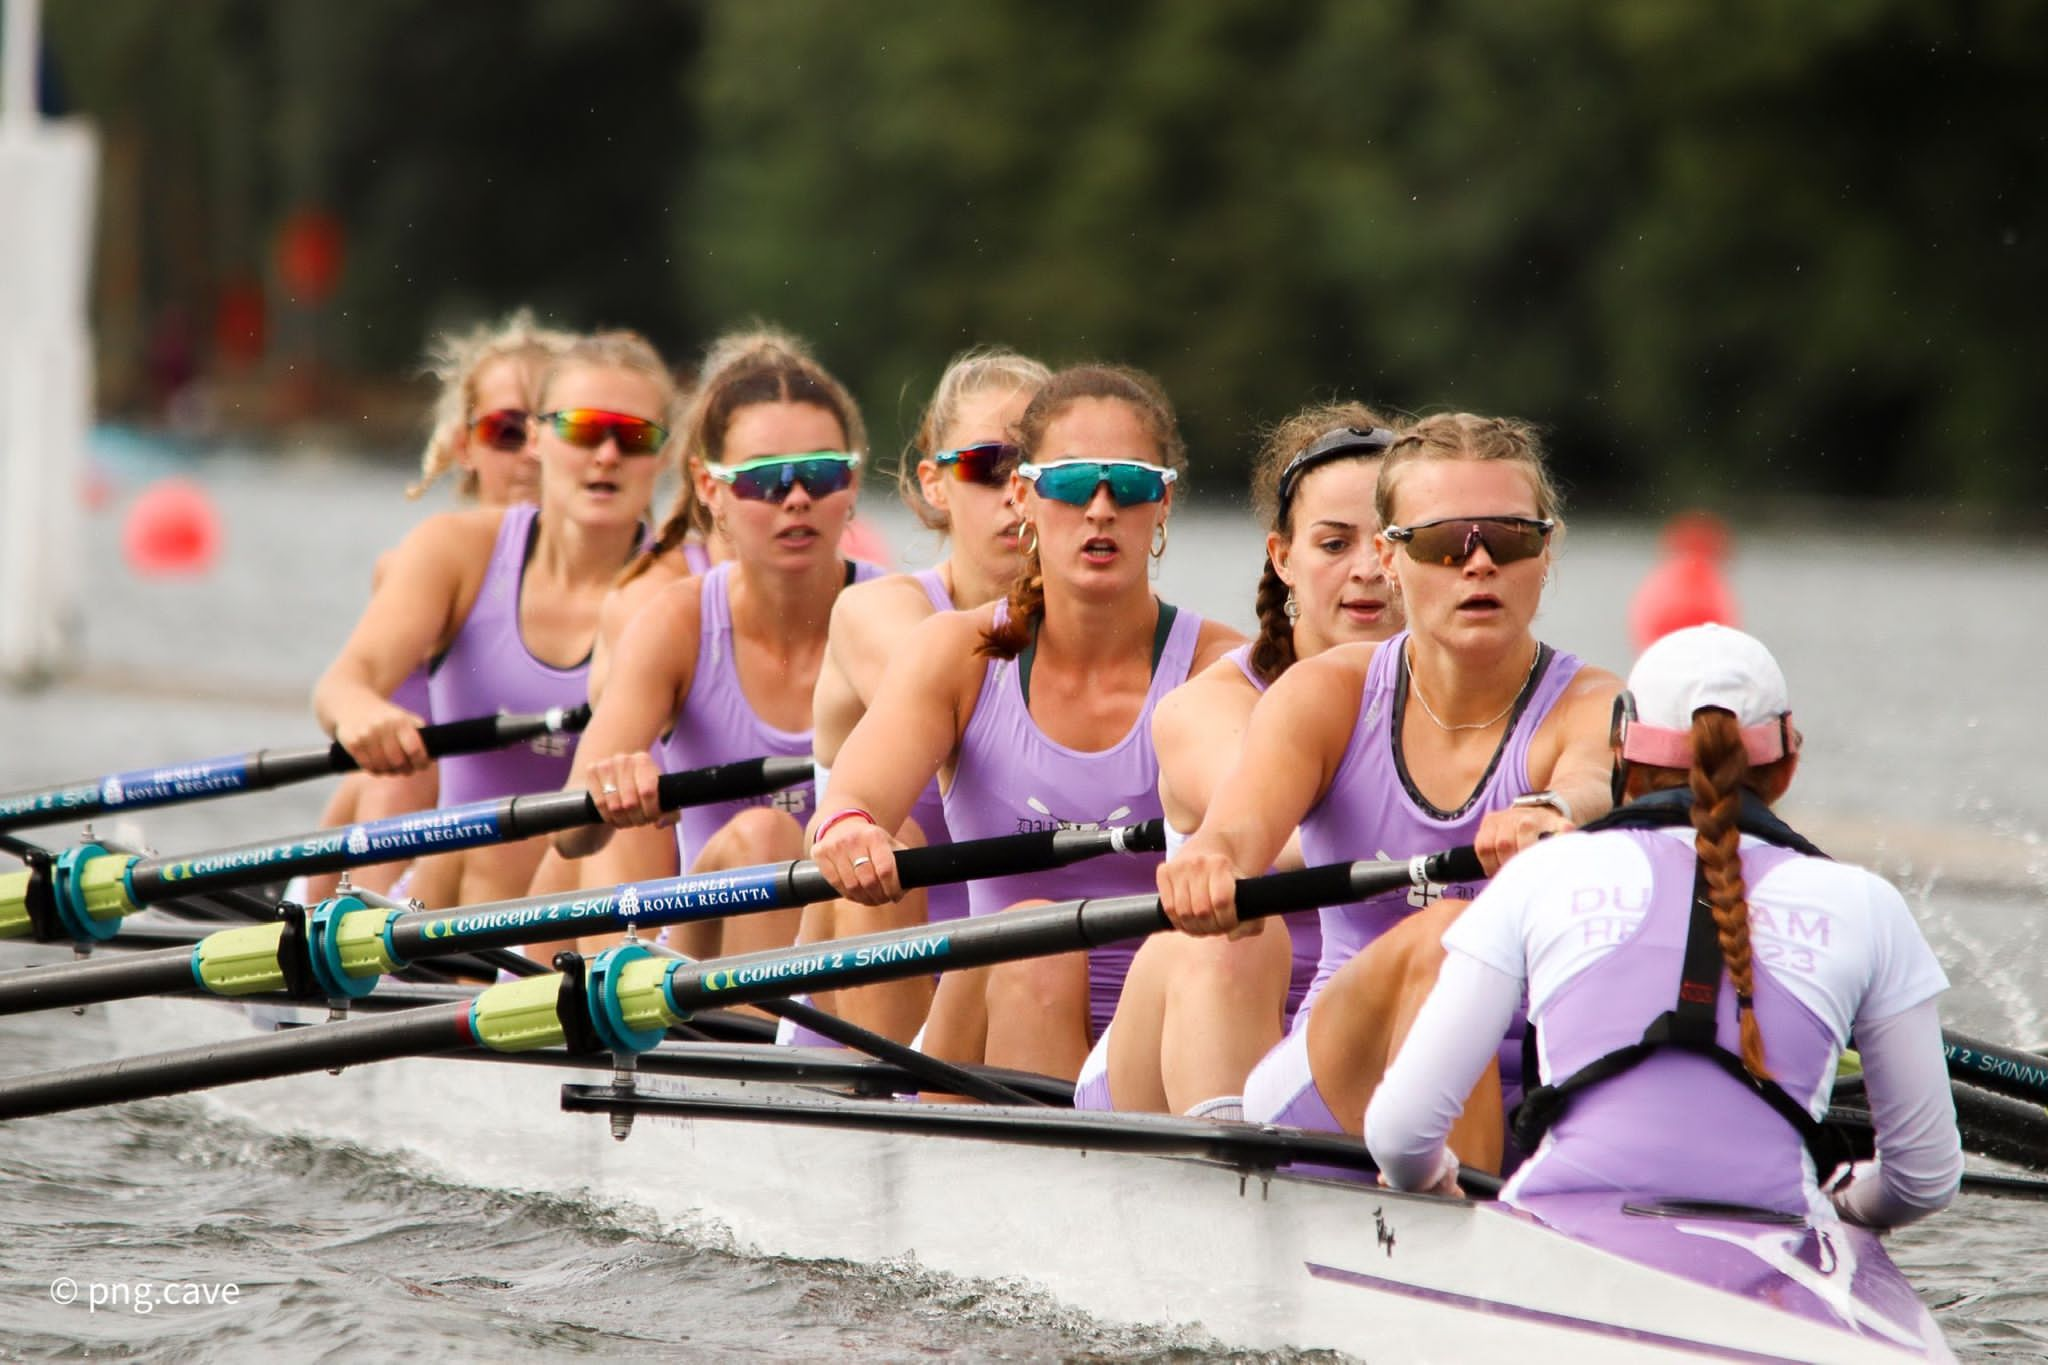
435,1028
740,891
200,779
95,979
1035,932
1992,1066
410,836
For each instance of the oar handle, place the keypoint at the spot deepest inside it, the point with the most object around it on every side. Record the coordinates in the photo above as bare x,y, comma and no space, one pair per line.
478,734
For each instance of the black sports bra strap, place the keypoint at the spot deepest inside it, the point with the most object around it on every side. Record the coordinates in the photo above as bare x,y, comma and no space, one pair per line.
1029,654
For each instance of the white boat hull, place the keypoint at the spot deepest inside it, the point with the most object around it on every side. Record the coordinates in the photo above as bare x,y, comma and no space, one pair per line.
1257,1262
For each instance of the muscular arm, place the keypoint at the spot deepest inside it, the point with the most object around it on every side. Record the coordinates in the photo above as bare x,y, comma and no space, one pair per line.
1197,731
651,673
1293,742
424,590
1571,757
1457,1032
910,730
868,621
618,609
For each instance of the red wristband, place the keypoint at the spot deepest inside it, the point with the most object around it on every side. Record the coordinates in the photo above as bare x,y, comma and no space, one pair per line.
835,817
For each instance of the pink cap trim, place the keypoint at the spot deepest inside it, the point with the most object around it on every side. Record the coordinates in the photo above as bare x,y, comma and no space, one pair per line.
1661,748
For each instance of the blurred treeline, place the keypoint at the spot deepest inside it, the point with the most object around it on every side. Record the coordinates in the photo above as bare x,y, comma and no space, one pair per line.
1721,251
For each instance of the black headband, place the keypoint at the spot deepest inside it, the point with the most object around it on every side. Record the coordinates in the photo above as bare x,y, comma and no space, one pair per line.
1331,445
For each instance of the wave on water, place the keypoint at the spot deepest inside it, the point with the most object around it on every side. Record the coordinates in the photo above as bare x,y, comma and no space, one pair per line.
337,1251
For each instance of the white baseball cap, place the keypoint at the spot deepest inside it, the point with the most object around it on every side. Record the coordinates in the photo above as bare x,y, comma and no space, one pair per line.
1698,667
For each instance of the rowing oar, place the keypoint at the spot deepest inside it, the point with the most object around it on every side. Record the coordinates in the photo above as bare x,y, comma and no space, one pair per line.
341,948
2007,1070
84,894
206,778
629,997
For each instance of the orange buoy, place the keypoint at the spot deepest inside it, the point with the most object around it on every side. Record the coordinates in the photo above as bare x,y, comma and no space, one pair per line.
171,530
862,541
1687,588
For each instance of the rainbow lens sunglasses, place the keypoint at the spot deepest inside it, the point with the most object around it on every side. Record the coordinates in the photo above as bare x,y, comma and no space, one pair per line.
1454,539
503,430
769,478
588,428
1131,482
985,462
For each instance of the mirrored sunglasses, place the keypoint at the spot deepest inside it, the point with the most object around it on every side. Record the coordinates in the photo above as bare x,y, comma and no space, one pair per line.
503,430
1131,482
589,428
986,462
769,479
1453,540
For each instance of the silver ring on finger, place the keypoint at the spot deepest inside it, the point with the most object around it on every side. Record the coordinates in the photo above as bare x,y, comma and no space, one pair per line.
610,790
862,862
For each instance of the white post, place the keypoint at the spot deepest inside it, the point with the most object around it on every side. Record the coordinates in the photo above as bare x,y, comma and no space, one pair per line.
48,170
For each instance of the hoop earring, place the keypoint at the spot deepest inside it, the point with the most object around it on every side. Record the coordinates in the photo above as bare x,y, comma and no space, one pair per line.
1159,540
1031,530
1293,608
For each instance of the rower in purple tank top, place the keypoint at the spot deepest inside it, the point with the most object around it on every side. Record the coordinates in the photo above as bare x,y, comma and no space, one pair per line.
488,667
1463,729
1322,586
488,380
1035,712
959,487
724,665
506,602
1693,969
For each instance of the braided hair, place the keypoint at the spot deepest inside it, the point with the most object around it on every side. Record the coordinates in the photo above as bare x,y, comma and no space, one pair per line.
1273,650
1719,773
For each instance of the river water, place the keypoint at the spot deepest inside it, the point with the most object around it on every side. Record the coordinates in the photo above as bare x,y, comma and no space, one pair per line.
1910,662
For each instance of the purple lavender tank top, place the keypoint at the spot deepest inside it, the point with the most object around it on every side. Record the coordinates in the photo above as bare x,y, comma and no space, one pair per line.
1676,1124
489,669
1011,778
1372,811
414,695
1304,927
697,555
718,724
950,901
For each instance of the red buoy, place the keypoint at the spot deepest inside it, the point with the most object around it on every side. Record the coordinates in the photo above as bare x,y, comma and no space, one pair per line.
1687,588
171,530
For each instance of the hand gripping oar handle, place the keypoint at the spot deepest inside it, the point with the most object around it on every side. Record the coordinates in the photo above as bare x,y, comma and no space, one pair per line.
203,779
346,947
91,889
1036,932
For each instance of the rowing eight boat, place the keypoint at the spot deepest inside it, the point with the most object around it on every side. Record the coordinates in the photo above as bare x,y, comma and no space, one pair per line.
1130,1218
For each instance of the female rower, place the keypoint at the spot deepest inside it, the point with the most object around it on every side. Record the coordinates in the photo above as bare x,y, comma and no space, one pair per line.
1463,729
1197,1013
724,665
488,377
960,486
1693,915
1036,710
504,602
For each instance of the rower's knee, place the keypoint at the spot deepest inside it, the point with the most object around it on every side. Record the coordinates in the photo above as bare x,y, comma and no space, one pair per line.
758,834
1039,987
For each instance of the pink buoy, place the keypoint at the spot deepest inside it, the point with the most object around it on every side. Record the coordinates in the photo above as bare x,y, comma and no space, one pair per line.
862,541
171,530
1687,588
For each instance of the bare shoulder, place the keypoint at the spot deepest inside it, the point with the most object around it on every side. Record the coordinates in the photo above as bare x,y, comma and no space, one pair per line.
625,600
879,610
1590,694
1214,641
1213,701
1339,669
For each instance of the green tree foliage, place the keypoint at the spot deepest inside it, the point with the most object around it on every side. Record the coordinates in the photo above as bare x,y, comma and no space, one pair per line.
1722,251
